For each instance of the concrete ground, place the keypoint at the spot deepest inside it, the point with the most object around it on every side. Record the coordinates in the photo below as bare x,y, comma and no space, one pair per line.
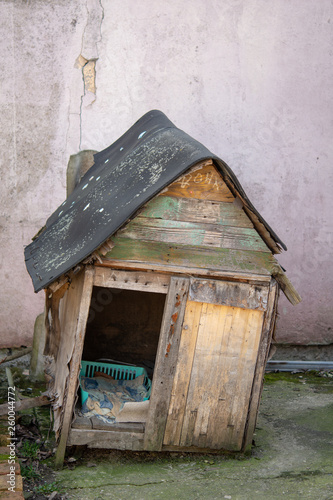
292,457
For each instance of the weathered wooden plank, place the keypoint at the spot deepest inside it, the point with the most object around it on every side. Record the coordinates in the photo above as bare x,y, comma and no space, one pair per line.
235,369
247,364
190,449
57,366
193,233
204,381
213,380
106,439
79,326
98,424
186,256
24,404
201,182
166,360
52,320
229,294
261,228
192,210
131,280
265,341
182,376
286,285
16,355
253,278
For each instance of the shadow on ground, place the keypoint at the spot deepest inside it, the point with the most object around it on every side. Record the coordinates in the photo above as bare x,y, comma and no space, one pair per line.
292,457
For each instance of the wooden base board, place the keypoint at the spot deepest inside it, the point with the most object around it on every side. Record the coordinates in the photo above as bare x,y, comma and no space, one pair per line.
195,449
106,439
95,423
121,440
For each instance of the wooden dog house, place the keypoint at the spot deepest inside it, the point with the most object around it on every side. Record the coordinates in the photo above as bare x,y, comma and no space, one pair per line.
159,257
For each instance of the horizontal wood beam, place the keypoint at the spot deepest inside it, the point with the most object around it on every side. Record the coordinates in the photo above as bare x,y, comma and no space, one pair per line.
188,271
131,280
220,259
25,404
96,423
202,234
193,210
241,295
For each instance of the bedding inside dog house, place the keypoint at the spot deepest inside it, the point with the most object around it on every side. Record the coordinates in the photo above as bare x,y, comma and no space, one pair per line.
158,259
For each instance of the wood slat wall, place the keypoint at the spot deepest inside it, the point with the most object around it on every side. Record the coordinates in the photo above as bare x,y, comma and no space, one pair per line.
196,210
187,256
214,375
194,222
194,233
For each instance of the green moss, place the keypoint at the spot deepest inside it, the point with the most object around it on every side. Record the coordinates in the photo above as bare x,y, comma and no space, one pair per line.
24,384
271,378
321,380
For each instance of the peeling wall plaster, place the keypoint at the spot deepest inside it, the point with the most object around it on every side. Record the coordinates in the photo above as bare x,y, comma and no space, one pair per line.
89,54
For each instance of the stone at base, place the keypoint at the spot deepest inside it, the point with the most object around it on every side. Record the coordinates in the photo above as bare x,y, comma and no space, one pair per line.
37,357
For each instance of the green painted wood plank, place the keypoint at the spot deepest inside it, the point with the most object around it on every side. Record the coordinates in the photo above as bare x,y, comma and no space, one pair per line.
219,259
193,210
193,233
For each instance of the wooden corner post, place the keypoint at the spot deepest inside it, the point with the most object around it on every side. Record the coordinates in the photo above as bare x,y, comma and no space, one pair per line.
166,361
80,328
266,337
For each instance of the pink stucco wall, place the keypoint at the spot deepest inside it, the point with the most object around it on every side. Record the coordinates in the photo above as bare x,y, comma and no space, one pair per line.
250,79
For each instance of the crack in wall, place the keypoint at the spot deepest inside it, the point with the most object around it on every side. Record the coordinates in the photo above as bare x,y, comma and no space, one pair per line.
92,36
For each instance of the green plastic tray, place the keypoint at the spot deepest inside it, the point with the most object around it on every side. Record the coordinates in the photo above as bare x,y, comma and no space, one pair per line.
118,372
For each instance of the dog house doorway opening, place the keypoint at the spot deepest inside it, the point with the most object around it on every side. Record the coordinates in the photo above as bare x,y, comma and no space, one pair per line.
119,351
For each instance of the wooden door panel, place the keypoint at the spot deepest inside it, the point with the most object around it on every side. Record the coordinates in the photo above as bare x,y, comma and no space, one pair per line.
214,376
182,373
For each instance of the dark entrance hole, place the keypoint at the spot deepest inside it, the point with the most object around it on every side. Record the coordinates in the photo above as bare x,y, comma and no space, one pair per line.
124,325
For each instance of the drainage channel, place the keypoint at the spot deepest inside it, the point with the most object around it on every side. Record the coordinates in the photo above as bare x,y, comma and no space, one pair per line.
298,366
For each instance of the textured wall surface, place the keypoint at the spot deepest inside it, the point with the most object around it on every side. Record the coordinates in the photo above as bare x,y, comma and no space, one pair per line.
250,79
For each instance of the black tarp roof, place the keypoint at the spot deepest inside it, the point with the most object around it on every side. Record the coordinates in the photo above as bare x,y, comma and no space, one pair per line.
148,157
